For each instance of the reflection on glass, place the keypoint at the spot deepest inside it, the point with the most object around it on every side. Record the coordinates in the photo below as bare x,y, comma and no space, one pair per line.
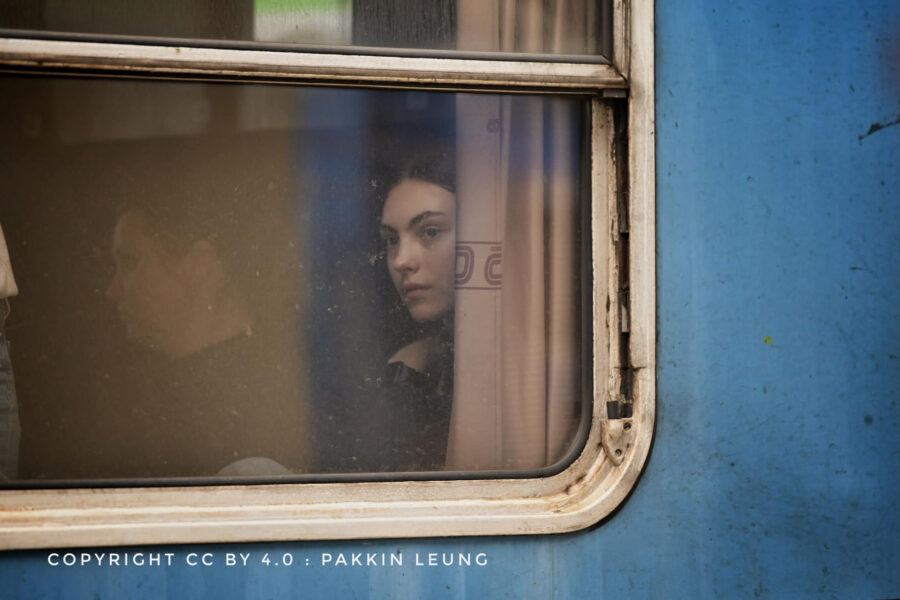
327,22
250,280
572,27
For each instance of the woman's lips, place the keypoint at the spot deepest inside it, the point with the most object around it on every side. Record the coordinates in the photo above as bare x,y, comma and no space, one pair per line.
414,291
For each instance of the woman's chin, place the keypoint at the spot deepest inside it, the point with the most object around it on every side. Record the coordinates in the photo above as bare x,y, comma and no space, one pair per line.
427,314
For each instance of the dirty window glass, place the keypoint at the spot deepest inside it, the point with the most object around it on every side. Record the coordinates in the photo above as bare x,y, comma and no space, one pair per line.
248,280
526,26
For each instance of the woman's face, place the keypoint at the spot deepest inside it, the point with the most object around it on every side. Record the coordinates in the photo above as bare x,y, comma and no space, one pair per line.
418,228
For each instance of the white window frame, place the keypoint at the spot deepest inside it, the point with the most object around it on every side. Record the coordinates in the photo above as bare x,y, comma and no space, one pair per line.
616,449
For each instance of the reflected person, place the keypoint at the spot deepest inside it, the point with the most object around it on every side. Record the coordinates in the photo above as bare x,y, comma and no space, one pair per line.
221,396
418,232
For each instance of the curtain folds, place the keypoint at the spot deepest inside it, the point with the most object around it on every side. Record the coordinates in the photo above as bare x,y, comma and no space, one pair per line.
517,369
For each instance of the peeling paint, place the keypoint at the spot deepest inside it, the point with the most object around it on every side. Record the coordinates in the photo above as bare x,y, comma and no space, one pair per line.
878,127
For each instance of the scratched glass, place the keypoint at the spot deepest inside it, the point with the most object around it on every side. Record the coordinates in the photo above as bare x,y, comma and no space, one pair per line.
280,282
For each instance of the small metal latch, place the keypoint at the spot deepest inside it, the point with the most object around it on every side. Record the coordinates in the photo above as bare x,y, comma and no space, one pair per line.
617,431
617,438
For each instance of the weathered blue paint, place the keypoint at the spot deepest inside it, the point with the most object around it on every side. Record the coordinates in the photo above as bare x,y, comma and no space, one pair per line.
774,470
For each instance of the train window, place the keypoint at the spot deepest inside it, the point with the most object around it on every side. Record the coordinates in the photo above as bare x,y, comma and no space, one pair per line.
577,28
355,269
275,294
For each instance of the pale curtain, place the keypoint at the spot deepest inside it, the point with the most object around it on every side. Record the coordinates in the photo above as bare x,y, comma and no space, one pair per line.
517,361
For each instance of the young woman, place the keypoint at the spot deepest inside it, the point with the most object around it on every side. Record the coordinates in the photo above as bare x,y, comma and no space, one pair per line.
418,232
418,229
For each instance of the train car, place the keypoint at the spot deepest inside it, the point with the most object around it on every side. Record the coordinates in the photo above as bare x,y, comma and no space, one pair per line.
377,298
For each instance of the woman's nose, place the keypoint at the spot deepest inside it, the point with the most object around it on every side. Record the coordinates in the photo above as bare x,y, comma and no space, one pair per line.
405,258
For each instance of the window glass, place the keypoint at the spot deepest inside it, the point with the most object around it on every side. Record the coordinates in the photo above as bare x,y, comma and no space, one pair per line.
255,280
559,27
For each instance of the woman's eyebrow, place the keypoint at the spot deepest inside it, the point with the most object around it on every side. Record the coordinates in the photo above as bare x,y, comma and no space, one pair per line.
424,215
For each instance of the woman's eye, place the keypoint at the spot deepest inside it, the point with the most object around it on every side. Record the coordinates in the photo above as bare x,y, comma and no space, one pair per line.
430,232
389,242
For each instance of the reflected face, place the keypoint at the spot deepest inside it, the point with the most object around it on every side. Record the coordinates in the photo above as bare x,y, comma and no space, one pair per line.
418,228
150,286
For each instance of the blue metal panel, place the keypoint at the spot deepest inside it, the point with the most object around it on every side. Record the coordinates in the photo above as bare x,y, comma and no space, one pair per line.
774,470
779,296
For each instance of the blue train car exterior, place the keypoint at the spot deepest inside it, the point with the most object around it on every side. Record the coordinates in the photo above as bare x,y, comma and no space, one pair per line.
774,470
